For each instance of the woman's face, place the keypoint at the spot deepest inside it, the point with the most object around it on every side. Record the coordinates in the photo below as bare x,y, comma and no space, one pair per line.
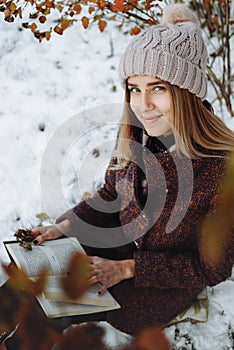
151,102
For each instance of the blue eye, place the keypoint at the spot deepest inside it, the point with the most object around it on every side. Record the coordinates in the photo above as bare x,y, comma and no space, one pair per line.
159,88
134,90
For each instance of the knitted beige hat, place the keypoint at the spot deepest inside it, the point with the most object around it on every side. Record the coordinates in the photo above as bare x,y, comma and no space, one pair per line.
173,51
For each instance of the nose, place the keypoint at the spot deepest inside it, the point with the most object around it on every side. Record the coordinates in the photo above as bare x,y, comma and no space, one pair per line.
146,100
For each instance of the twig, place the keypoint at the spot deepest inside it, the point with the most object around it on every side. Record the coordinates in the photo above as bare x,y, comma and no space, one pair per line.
228,51
222,89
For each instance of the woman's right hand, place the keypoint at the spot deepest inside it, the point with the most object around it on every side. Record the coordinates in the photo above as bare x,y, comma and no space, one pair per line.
46,233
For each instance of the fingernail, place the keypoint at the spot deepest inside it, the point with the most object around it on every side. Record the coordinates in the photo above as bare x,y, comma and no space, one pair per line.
35,241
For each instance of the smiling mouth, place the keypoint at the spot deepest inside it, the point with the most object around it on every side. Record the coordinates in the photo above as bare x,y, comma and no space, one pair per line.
151,120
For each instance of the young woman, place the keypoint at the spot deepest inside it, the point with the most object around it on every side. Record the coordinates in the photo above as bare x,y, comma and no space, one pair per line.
171,156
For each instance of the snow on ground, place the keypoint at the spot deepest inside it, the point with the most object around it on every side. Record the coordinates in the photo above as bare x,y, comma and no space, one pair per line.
42,86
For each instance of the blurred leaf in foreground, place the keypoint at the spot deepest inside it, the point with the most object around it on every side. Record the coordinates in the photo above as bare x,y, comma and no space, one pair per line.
35,331
152,339
75,283
219,226
10,303
82,337
19,280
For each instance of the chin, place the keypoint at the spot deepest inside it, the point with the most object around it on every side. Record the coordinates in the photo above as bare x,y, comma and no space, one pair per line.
158,133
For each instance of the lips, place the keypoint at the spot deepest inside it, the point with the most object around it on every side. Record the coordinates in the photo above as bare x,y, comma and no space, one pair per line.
151,119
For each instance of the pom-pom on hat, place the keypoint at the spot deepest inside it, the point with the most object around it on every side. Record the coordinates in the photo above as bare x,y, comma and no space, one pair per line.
173,51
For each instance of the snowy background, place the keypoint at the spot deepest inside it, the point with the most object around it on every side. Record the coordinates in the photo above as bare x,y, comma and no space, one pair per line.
42,86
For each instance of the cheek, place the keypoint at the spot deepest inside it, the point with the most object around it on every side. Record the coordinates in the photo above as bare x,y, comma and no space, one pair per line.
168,106
135,100
134,108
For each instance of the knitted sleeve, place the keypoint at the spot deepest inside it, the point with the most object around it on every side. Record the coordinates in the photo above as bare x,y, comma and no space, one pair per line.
92,217
191,269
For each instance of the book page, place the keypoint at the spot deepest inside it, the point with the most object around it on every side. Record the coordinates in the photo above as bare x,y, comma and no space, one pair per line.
53,308
55,255
54,291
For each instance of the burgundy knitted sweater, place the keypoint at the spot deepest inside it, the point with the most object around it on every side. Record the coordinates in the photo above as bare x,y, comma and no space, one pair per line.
171,267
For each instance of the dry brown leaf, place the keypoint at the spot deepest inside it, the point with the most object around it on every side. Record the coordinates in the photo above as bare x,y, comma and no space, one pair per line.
65,23
33,27
135,31
91,9
152,339
102,25
47,36
216,228
38,286
58,30
85,22
77,8
18,279
75,283
42,19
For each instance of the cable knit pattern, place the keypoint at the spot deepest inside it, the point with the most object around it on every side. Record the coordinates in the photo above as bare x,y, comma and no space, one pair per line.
171,267
173,52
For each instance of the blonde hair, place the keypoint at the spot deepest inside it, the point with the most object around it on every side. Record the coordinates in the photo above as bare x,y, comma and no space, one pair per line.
192,121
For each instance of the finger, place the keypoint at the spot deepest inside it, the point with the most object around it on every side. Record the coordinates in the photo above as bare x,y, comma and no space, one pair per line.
36,231
89,259
92,280
93,273
91,270
101,291
42,238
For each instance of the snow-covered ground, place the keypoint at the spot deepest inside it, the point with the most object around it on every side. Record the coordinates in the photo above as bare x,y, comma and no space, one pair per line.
42,86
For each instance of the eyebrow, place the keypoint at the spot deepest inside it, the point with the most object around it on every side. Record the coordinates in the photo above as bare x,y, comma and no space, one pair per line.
149,84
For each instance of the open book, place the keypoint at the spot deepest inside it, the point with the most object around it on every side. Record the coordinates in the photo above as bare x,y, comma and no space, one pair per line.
55,255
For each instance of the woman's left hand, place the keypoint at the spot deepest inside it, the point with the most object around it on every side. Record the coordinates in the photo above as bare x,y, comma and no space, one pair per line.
109,272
